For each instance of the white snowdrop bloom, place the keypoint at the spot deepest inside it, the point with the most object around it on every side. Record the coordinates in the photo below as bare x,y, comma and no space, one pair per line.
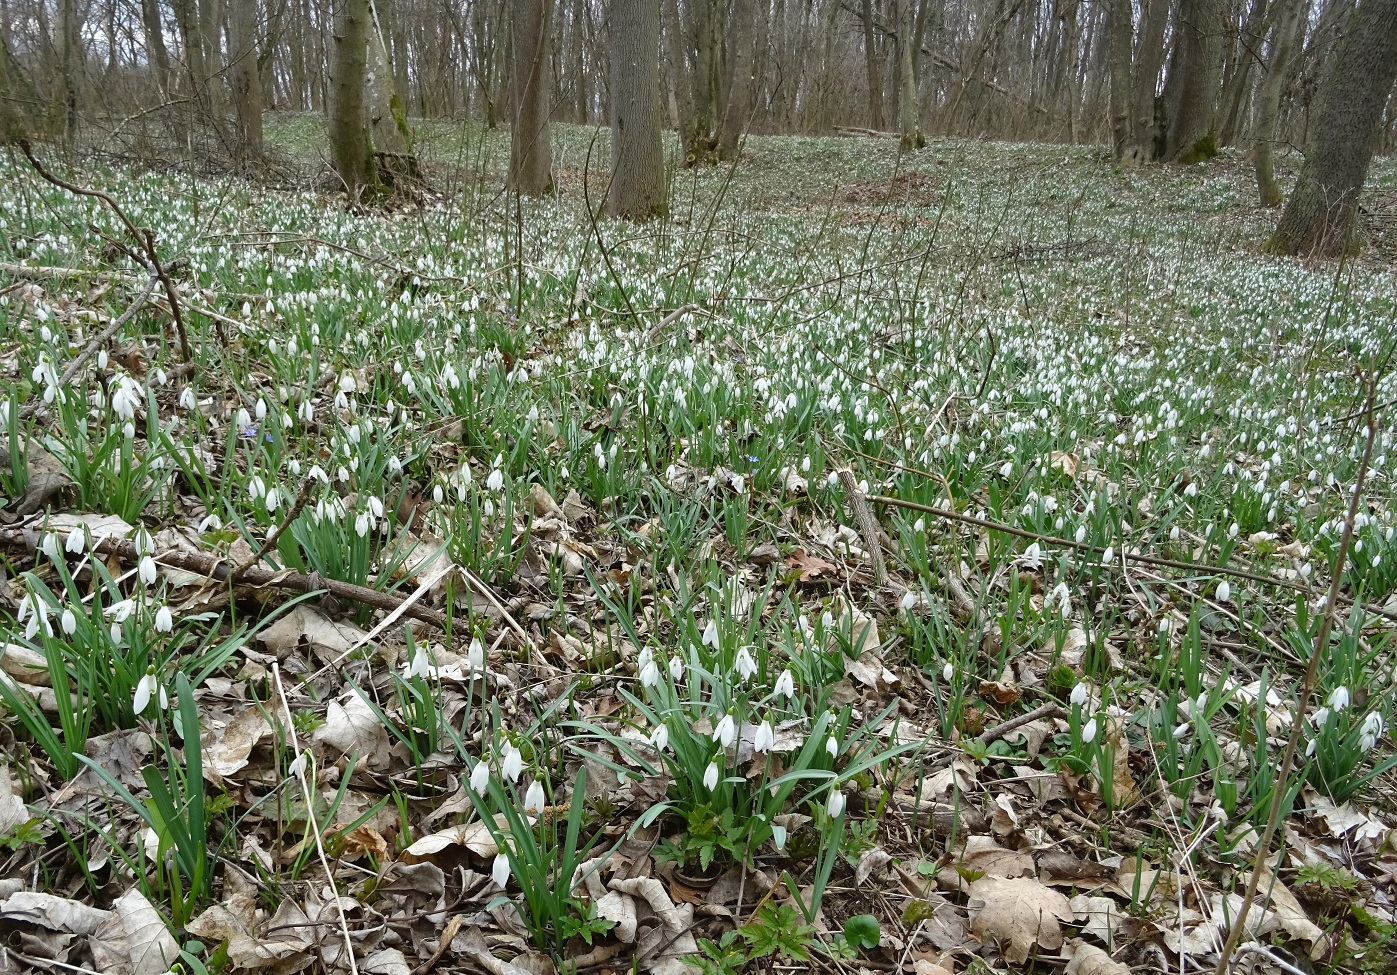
347,382
534,799
765,738
164,620
832,746
726,731
1371,731
1224,591
1109,555
375,507
513,764
948,672
659,738
710,776
676,669
102,359
480,776
1190,490
496,480
835,804
361,524
1089,732
256,487
1079,694
649,673
1181,730
271,499
475,654
744,664
1081,533
437,494
778,836
1339,698
499,870
1007,470
710,635
297,768
739,483
146,689
919,525
50,546
69,622
1233,529
785,685
242,418
1174,533
419,665
146,570
1310,748
909,599
260,410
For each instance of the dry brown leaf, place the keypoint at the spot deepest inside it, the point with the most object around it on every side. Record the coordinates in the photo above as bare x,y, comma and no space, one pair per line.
1102,917
1018,913
226,748
352,726
51,912
982,858
132,939
1091,960
810,567
25,664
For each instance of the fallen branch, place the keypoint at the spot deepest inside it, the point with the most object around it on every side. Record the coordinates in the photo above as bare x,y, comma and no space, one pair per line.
868,526
217,568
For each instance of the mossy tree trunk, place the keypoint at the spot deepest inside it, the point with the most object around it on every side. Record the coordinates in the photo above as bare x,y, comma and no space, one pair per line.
1194,82
637,188
1321,217
1285,38
531,88
909,109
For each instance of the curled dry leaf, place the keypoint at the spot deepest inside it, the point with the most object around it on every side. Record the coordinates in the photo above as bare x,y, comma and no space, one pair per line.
351,726
51,912
1018,913
1091,960
227,747
133,939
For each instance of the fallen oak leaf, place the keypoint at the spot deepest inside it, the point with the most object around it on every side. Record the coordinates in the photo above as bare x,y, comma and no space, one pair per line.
810,567
1019,914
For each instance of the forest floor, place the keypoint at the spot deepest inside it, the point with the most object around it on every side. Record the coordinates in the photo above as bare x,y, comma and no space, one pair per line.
886,564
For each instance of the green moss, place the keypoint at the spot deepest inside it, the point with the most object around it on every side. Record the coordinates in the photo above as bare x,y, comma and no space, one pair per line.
1201,151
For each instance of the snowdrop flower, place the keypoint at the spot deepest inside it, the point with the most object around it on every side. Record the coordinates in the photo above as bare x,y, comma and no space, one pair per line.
1310,748
534,798
835,804
496,480
739,483
1089,732
69,622
1007,471
726,731
37,614
909,599
649,670
164,621
765,738
1181,730
1079,694
948,672
187,399
919,525
1224,591
513,763
1339,698
659,738
1109,555
480,776
1371,731
76,542
499,870
146,688
361,524
832,746
786,685
744,665
475,654
710,635
676,669
146,570
778,836
710,776
419,666
1062,597
1032,557
298,766
50,547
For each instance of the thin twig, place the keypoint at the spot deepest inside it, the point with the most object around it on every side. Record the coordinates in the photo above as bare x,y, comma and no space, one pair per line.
1049,710
868,526
299,764
275,534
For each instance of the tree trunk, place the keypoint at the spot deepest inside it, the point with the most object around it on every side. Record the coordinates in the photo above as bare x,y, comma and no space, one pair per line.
679,77
245,79
637,189
1238,79
579,58
909,115
875,77
531,88
155,44
348,132
1285,38
741,91
1121,32
1149,58
69,62
389,134
1322,214
1192,90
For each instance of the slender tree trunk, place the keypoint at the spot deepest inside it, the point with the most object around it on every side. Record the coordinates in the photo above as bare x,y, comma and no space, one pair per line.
1238,80
389,134
159,54
741,91
1149,58
875,76
531,88
909,115
681,88
1285,38
348,131
245,79
1322,214
637,189
1193,87
579,59
1121,32
69,63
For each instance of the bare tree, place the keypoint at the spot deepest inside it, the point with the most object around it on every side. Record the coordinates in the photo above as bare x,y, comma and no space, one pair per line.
348,131
244,78
1321,216
1191,92
1286,35
530,145
637,188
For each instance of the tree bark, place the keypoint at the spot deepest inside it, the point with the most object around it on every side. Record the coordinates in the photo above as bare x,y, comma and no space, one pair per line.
531,88
348,132
1193,87
158,53
245,79
909,114
1149,58
1285,38
1321,216
637,188
1120,32
875,77
741,91
389,135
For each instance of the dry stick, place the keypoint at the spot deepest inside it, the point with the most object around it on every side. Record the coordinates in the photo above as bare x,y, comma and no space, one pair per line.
299,763
143,236
1199,567
1318,649
217,568
270,541
1050,710
868,528
29,409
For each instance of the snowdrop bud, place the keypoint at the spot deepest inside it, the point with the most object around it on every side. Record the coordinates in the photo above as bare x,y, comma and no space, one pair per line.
480,776
534,798
1079,694
1109,555
164,621
69,622
1224,591
146,570
437,494
710,776
948,672
499,870
1089,732
835,804
778,836
832,747
475,654
765,738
